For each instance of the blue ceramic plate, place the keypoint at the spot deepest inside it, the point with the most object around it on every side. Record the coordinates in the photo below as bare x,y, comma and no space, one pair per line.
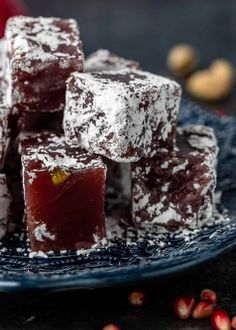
141,259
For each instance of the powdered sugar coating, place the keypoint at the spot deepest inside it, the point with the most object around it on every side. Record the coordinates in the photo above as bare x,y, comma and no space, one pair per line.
199,137
175,189
41,232
122,115
1,59
42,52
4,114
51,152
64,190
104,60
4,133
5,201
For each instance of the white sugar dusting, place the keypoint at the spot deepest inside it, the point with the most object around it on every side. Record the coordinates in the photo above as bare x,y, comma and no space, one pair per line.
200,137
154,235
162,203
38,254
41,232
40,39
57,153
180,167
110,112
157,234
34,46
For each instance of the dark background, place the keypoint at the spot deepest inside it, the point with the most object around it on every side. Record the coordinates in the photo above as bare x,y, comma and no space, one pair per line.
146,29
143,30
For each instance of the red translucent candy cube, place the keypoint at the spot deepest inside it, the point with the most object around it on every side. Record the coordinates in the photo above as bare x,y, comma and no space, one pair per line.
41,54
64,190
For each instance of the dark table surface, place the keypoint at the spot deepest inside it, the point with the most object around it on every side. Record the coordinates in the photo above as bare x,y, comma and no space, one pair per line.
143,30
90,310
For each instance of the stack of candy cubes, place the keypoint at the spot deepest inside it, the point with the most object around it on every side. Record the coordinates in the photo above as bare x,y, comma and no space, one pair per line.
71,127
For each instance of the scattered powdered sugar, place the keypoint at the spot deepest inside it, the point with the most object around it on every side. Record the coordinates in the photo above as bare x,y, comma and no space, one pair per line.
39,46
157,234
180,167
165,164
41,232
165,187
121,231
19,250
98,241
32,176
163,217
2,46
39,254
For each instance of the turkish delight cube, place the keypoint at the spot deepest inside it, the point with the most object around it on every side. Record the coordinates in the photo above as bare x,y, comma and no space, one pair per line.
64,190
176,188
13,114
122,115
104,60
41,54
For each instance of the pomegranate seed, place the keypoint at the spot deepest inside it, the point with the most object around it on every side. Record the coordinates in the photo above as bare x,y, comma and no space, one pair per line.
111,327
203,310
136,298
184,307
220,320
209,295
233,322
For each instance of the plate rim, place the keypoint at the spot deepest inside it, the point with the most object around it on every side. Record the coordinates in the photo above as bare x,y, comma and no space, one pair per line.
133,274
